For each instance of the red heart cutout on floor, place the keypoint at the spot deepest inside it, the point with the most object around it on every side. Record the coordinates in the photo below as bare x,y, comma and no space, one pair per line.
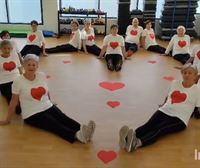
9,66
111,86
152,36
182,43
48,76
152,62
113,104
169,78
32,37
178,97
107,156
134,32
114,44
90,38
66,62
198,54
37,93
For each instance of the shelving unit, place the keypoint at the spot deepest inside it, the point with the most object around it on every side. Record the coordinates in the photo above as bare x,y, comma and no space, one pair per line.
64,19
178,12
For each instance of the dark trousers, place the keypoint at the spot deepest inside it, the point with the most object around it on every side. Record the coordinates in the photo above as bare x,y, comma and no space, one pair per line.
131,46
183,58
53,120
31,49
115,60
6,91
61,48
159,125
157,48
94,49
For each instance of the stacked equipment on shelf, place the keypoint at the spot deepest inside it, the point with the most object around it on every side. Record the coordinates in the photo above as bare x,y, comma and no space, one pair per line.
178,12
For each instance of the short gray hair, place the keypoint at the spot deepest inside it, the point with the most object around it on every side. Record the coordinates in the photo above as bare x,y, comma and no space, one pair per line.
5,43
31,57
189,65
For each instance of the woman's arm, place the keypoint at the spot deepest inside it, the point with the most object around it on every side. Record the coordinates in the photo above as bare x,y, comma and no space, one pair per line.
43,49
103,50
143,41
11,109
84,46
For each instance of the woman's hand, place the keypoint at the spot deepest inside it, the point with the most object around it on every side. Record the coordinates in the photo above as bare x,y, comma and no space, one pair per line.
4,122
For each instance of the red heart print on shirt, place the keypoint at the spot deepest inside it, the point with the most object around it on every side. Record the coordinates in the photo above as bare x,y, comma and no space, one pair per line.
90,38
198,54
114,44
178,97
112,86
182,43
37,93
134,32
113,104
9,66
107,156
32,37
152,36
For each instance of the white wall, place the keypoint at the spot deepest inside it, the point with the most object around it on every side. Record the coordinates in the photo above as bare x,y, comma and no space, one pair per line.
50,9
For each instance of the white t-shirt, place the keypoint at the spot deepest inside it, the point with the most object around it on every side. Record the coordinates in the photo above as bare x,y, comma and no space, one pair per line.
114,44
179,45
150,39
181,101
9,68
196,54
35,38
33,95
88,37
133,34
75,39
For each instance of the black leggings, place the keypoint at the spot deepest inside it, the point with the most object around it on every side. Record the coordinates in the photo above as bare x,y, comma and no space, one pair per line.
31,49
183,58
53,120
6,91
61,48
157,48
94,49
114,59
131,46
159,125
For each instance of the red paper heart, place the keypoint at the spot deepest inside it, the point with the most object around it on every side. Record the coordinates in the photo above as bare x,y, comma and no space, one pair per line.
48,76
169,78
178,97
66,62
113,104
114,44
107,156
90,38
32,37
37,93
198,54
152,62
182,43
134,32
9,66
111,86
152,36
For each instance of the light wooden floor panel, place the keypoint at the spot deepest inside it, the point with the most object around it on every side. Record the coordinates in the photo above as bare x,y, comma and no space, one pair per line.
75,88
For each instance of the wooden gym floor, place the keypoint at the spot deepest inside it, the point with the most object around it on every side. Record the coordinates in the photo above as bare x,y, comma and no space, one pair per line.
75,88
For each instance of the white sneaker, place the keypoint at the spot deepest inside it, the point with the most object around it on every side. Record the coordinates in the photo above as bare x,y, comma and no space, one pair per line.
91,125
122,136
82,134
131,141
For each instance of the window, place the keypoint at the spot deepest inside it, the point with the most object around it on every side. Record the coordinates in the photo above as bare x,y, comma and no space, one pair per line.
111,7
198,8
134,6
21,11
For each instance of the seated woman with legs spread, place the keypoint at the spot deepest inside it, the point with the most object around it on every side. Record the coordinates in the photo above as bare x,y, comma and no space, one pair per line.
173,116
114,50
38,111
35,41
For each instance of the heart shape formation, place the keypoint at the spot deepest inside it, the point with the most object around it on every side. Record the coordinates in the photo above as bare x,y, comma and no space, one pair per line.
9,66
152,62
113,104
182,43
32,37
178,97
37,93
66,62
111,86
114,44
169,78
107,156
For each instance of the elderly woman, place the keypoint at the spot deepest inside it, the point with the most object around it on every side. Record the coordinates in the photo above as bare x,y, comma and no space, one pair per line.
180,46
133,37
173,116
38,111
88,39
